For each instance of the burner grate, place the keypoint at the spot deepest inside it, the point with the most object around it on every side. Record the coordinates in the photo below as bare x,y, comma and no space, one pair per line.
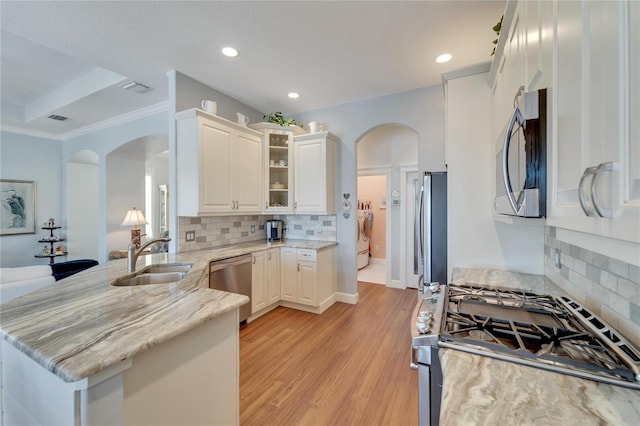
539,329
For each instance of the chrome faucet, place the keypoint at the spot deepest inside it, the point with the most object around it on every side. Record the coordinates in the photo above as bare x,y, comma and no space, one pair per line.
132,254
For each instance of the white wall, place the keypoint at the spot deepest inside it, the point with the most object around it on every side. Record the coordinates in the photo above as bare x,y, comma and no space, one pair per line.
190,93
421,110
390,146
37,159
476,239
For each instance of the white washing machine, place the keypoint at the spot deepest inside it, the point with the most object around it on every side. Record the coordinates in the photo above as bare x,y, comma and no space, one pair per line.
364,232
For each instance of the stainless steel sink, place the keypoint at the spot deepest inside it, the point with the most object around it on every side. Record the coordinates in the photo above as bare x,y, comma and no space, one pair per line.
166,267
149,278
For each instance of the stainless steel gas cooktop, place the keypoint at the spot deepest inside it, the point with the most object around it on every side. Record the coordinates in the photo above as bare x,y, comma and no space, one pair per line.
556,334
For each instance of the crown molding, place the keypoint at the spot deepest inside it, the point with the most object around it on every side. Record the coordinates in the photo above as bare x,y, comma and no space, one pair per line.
91,128
30,132
117,120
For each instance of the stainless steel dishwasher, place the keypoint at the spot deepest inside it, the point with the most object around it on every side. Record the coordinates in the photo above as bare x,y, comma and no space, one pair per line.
233,275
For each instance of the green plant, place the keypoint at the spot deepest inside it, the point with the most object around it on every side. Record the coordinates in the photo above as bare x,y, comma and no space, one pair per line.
277,118
496,28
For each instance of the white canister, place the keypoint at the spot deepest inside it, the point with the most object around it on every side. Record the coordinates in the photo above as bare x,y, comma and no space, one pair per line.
209,106
315,127
243,120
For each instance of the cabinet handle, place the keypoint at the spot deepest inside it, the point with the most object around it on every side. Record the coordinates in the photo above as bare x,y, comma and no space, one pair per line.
602,167
269,256
298,267
589,171
266,205
295,205
254,260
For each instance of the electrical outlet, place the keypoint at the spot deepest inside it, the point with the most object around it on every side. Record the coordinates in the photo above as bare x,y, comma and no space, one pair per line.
557,259
253,229
190,236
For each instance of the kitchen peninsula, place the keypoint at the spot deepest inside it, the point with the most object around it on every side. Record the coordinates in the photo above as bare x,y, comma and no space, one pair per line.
82,351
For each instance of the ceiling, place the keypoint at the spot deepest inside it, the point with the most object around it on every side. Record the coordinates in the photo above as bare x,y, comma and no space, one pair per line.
70,58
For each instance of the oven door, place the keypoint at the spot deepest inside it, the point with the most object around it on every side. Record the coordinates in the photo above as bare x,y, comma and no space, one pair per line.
426,361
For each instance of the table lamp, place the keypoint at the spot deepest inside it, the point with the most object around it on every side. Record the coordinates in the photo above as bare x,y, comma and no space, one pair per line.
134,218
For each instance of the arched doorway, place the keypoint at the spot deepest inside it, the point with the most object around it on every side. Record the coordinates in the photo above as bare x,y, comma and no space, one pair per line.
135,172
389,151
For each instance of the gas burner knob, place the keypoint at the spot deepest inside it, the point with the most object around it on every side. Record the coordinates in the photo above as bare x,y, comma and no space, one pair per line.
422,327
425,318
425,313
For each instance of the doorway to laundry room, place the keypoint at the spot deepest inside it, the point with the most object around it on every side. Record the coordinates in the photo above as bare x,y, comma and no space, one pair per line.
388,153
372,230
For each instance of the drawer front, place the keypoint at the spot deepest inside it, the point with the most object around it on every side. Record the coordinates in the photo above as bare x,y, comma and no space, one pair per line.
307,254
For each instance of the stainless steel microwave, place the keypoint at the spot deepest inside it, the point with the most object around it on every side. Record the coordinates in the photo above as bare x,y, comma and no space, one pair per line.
521,162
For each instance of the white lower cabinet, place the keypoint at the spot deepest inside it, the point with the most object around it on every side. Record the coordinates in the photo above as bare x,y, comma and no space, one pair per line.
265,279
304,279
308,278
273,276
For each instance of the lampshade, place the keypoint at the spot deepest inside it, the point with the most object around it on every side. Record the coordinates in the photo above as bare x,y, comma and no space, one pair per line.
134,217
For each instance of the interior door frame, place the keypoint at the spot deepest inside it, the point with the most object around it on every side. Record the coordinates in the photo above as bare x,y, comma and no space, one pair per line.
404,205
384,170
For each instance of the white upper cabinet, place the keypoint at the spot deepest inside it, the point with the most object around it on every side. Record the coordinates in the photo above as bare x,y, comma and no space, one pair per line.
587,54
219,166
595,153
315,169
523,57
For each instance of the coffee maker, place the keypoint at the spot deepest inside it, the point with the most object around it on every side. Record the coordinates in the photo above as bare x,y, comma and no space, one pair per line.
274,229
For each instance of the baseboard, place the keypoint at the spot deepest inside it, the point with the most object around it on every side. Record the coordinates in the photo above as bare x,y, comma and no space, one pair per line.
396,284
347,298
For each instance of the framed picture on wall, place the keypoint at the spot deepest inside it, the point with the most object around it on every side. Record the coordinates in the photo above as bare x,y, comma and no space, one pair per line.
383,202
18,212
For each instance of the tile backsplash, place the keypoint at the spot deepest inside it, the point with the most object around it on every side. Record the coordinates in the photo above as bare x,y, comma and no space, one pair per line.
608,286
216,231
310,227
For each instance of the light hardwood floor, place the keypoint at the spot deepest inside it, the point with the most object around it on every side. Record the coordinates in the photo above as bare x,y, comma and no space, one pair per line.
348,366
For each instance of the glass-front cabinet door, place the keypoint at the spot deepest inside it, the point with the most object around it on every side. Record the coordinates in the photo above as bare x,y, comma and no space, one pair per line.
279,171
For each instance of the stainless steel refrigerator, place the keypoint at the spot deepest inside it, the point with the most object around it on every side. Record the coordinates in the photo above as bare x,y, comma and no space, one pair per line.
430,236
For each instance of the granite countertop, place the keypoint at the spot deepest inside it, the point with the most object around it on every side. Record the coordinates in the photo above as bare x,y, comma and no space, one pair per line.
482,390
81,325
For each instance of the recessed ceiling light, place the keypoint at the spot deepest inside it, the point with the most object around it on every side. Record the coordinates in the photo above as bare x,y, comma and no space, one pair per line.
445,57
294,95
229,51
